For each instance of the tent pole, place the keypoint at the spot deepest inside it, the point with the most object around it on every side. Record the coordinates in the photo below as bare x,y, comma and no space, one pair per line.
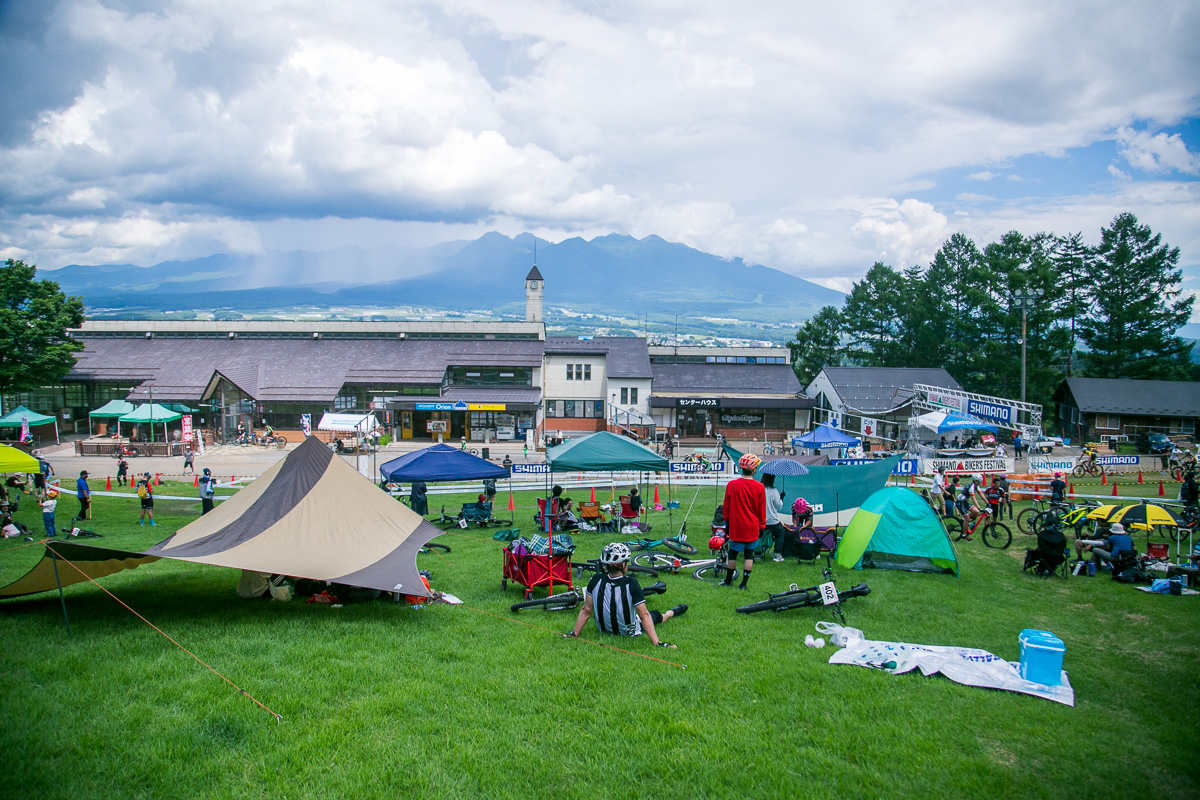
62,599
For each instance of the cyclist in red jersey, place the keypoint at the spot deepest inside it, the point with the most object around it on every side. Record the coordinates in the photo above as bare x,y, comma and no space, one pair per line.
745,510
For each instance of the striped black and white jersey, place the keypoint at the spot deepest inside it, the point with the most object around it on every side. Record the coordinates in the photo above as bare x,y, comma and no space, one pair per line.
615,602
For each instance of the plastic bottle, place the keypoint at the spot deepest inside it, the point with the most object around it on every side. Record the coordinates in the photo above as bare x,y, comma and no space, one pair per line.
1091,569
1078,568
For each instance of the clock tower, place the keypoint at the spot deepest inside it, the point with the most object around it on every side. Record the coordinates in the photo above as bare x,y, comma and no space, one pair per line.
533,295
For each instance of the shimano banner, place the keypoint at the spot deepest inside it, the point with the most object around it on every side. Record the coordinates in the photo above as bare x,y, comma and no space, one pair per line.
906,466
530,469
1051,463
706,467
995,412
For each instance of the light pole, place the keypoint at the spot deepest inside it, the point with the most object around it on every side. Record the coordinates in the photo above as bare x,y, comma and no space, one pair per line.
1025,301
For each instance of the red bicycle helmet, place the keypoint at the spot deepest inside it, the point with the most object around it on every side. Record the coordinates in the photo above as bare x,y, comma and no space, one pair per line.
716,542
749,461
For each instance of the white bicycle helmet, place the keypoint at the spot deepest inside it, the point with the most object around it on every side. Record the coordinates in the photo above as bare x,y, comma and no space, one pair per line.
614,553
977,478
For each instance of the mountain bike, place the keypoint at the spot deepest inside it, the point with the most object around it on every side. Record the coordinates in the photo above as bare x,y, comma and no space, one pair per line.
676,544
273,440
1088,467
715,571
674,564
795,597
122,450
1025,518
1074,517
573,597
993,532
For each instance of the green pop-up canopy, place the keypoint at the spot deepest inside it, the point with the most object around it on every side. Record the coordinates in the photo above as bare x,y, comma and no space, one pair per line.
604,451
23,416
895,529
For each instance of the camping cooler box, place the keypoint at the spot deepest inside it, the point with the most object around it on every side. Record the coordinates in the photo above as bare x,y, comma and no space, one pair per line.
1041,657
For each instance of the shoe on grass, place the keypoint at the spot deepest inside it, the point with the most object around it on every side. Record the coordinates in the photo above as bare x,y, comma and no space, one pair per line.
679,610
777,557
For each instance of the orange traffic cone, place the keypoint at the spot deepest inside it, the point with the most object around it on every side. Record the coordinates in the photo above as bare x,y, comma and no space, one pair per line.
157,482
1162,492
593,494
1071,488
1114,490
656,501
511,506
108,484
195,480
233,479
1140,477
1104,479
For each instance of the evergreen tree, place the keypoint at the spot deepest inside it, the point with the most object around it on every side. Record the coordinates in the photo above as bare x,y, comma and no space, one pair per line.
959,274
818,344
872,317
1072,259
1135,306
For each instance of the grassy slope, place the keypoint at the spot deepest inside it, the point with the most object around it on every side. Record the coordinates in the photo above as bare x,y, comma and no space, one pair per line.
380,699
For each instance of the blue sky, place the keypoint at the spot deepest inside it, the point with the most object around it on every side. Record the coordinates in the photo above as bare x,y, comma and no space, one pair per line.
813,139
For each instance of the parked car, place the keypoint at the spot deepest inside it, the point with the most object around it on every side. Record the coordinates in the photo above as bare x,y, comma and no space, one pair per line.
1045,444
1154,443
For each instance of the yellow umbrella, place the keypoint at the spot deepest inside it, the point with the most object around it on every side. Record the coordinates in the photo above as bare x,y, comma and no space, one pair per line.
1144,516
1103,512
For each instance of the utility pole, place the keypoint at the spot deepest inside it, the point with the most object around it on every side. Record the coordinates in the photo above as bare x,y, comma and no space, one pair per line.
1024,302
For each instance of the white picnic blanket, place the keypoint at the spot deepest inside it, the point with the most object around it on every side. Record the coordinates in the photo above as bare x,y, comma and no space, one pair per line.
967,665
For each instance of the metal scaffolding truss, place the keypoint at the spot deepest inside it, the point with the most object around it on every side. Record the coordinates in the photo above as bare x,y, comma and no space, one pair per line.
1026,417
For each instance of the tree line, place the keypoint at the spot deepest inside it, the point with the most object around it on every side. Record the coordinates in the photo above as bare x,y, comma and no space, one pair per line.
1105,310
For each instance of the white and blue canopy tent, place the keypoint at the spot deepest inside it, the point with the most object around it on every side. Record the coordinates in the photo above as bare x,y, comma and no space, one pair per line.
948,421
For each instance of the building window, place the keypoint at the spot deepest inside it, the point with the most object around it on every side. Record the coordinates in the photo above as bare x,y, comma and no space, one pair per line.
624,396
570,408
587,372
633,395
1108,421
570,372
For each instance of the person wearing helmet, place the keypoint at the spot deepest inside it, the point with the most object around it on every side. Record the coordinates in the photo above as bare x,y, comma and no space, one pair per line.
145,491
616,600
48,503
208,490
974,502
1058,490
745,509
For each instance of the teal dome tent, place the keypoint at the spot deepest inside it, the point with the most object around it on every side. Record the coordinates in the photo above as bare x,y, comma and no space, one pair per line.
896,529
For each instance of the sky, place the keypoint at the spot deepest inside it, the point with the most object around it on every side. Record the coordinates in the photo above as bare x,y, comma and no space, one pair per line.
813,138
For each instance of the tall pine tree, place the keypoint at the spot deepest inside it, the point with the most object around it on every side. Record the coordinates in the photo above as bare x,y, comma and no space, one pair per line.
818,344
1135,306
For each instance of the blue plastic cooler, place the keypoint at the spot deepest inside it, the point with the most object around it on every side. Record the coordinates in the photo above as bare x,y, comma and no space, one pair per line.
1041,657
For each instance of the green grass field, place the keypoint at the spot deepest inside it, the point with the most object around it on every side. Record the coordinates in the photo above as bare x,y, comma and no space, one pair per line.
383,700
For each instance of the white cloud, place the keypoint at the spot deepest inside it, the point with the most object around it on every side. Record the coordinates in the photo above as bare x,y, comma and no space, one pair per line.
1157,153
904,233
986,175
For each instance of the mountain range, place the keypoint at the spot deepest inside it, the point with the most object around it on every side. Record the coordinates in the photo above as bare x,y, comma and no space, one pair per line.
609,275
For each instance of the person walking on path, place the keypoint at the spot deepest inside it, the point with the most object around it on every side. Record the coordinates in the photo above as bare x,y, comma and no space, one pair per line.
85,496
188,459
122,472
145,491
208,490
745,510
48,504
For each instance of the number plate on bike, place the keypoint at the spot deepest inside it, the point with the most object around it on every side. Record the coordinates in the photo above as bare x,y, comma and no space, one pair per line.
829,594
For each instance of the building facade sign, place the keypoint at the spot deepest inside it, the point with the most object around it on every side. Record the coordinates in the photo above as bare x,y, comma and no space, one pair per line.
697,402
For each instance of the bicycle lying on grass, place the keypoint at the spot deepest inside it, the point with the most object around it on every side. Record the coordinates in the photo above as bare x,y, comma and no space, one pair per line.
573,597
676,544
993,532
795,597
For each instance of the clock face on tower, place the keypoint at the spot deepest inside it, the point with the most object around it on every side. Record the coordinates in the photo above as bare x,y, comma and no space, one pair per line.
533,284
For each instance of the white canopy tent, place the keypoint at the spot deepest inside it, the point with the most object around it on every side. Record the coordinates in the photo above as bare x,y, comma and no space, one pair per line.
358,424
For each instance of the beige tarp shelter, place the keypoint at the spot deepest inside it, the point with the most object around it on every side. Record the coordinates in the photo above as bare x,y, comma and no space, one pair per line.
309,516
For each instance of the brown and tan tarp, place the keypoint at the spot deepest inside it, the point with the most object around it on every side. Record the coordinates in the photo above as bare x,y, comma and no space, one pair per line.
311,515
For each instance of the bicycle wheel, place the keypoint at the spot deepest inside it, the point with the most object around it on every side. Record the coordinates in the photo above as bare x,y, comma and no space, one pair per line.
1079,471
116,452
280,441
798,600
713,573
997,535
678,545
436,546
1043,520
558,602
133,452
653,561
1025,520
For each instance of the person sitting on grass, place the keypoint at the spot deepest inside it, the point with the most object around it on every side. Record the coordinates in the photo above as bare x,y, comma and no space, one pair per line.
616,600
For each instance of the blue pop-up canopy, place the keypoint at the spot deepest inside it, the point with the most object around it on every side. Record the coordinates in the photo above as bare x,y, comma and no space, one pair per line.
439,463
946,421
826,436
